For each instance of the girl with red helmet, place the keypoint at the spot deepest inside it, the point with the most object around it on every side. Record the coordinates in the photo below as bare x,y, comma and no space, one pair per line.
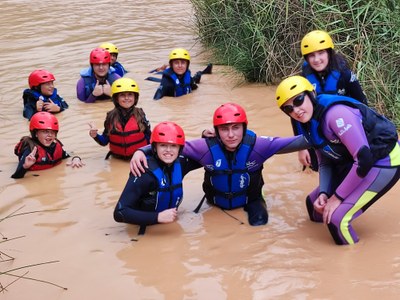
42,95
126,127
42,150
95,82
233,161
155,196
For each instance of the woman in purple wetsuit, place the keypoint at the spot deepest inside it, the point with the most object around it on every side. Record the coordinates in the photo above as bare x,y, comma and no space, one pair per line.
233,162
358,153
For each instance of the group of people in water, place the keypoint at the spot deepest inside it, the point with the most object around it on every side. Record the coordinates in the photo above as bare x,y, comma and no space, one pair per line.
355,150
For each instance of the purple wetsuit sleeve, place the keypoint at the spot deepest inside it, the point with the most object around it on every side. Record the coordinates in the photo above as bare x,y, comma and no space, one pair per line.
198,151
344,123
80,92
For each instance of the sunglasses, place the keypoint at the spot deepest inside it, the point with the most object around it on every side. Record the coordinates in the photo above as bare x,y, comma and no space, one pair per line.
298,101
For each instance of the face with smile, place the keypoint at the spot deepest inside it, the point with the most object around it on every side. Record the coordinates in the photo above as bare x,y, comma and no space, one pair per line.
167,153
231,135
318,60
299,108
101,70
46,136
47,88
179,66
126,99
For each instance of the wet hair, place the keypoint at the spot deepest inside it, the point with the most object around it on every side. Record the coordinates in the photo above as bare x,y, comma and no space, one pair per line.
114,117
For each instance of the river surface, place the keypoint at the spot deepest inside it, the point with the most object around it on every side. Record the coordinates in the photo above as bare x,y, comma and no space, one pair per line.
209,255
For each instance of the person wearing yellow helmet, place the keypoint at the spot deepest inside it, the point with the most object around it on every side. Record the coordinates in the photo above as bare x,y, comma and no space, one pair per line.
330,73
177,80
42,95
357,149
114,51
95,81
126,127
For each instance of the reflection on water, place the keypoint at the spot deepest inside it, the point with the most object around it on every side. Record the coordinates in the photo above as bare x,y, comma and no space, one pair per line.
209,255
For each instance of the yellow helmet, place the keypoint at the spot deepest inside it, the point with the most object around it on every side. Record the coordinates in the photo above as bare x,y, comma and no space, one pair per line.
179,53
314,41
109,47
291,87
124,85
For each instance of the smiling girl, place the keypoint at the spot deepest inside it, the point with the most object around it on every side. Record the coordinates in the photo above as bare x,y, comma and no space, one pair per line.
42,95
329,73
42,150
126,127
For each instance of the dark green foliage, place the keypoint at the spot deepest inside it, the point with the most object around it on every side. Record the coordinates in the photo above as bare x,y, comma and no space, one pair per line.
261,40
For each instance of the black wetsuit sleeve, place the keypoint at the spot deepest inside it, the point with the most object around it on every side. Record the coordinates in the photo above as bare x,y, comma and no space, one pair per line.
29,105
20,171
351,85
63,104
166,88
128,208
188,165
193,84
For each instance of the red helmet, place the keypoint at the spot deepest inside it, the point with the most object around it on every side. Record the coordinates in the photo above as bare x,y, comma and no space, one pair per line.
43,120
229,113
38,77
100,56
168,132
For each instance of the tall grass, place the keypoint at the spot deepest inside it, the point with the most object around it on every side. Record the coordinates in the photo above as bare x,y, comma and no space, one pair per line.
261,40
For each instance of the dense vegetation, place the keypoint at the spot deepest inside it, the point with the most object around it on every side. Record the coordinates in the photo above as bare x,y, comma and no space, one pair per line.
261,40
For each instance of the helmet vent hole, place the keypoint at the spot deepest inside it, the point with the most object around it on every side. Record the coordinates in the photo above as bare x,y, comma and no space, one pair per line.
293,87
321,42
162,134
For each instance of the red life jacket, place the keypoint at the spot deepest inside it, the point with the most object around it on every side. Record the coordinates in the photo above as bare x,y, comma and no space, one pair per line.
44,160
125,141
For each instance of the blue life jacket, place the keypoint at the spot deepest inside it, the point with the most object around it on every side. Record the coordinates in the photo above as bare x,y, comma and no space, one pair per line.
90,81
230,178
181,87
38,96
327,86
169,194
119,69
380,132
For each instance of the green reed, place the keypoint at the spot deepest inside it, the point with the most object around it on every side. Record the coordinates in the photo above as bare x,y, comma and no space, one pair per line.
261,40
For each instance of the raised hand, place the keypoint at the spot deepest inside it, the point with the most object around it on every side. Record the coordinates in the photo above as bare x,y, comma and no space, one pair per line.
93,129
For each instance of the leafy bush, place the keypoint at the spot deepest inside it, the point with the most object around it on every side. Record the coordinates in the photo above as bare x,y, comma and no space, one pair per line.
261,40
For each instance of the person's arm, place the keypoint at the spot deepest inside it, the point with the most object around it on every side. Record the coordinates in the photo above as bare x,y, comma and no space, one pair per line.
166,88
21,170
62,103
127,209
139,161
81,93
352,136
29,105
353,87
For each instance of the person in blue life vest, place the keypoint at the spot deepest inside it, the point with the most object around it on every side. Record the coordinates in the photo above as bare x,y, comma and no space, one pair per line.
154,197
357,149
233,158
42,95
42,150
96,80
177,80
329,73
126,127
114,51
